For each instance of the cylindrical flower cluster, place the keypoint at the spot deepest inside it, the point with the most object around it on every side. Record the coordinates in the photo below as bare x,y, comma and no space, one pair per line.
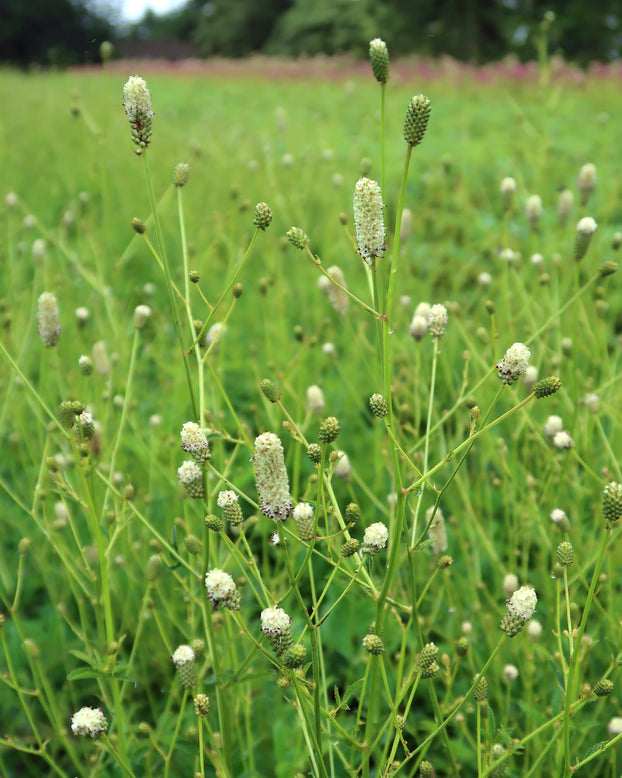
520,608
184,661
336,296
585,229
190,477
379,58
369,219
514,363
277,626
375,538
139,109
272,481
89,721
49,320
437,320
194,442
303,516
229,505
222,590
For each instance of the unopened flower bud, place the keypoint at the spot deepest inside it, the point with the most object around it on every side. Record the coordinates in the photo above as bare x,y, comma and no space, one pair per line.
586,181
139,226
49,321
378,406
180,174
565,554
603,688
546,387
416,121
314,452
142,314
379,58
585,229
184,661
508,189
201,705
269,390
230,506
373,644
437,320
295,656
303,516
298,238
329,430
612,502
350,547
263,216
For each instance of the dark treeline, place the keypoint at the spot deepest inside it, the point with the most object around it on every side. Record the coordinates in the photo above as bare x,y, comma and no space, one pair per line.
67,31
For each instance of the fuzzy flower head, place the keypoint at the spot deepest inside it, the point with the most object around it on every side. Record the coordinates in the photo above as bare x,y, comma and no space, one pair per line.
437,532
49,320
336,296
437,320
553,425
190,477
183,659
229,504
514,364
305,523
89,721
563,440
520,608
315,398
272,480
277,626
221,589
375,538
139,109
369,219
194,442
379,58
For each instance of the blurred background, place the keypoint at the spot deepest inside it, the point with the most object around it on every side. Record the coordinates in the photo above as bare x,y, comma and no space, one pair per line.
62,33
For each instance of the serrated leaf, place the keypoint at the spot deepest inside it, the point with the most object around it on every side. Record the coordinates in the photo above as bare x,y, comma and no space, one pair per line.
85,672
337,696
492,724
88,660
593,749
352,690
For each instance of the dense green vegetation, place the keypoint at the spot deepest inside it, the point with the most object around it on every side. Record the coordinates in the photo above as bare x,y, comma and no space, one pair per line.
104,553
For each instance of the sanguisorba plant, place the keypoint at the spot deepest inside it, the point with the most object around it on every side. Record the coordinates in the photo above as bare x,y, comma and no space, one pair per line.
314,619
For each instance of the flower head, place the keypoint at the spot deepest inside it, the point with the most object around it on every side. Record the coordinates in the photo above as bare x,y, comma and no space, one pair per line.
221,588
375,538
191,477
520,608
49,320
272,480
514,363
379,58
183,659
89,721
276,625
194,442
437,320
369,219
139,109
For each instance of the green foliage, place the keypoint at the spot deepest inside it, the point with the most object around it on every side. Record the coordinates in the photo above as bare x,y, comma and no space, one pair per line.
88,623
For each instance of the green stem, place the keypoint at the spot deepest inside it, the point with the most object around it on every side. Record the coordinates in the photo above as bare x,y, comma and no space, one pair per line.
167,275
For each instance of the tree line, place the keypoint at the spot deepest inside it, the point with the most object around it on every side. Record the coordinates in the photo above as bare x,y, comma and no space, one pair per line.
57,32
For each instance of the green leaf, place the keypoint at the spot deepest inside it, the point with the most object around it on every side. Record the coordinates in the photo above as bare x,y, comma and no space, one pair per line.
492,724
558,675
88,660
352,690
534,713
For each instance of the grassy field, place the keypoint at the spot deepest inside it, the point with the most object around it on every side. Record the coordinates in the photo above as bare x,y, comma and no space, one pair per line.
104,552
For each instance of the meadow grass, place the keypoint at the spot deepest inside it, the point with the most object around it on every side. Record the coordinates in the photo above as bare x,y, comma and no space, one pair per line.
105,553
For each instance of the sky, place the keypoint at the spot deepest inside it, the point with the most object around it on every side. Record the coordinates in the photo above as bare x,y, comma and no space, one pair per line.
133,10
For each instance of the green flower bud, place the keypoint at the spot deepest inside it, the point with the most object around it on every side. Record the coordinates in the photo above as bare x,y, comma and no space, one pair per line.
314,452
298,238
180,174
546,387
139,226
213,523
295,656
378,406
85,363
201,705
462,646
603,688
350,547
426,770
379,58
352,513
270,391
565,554
373,644
194,276
192,544
329,430
263,216
480,693
417,117
237,291
612,502
607,268
155,565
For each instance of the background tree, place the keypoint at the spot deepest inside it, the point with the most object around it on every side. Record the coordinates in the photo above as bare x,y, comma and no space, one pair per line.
51,32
